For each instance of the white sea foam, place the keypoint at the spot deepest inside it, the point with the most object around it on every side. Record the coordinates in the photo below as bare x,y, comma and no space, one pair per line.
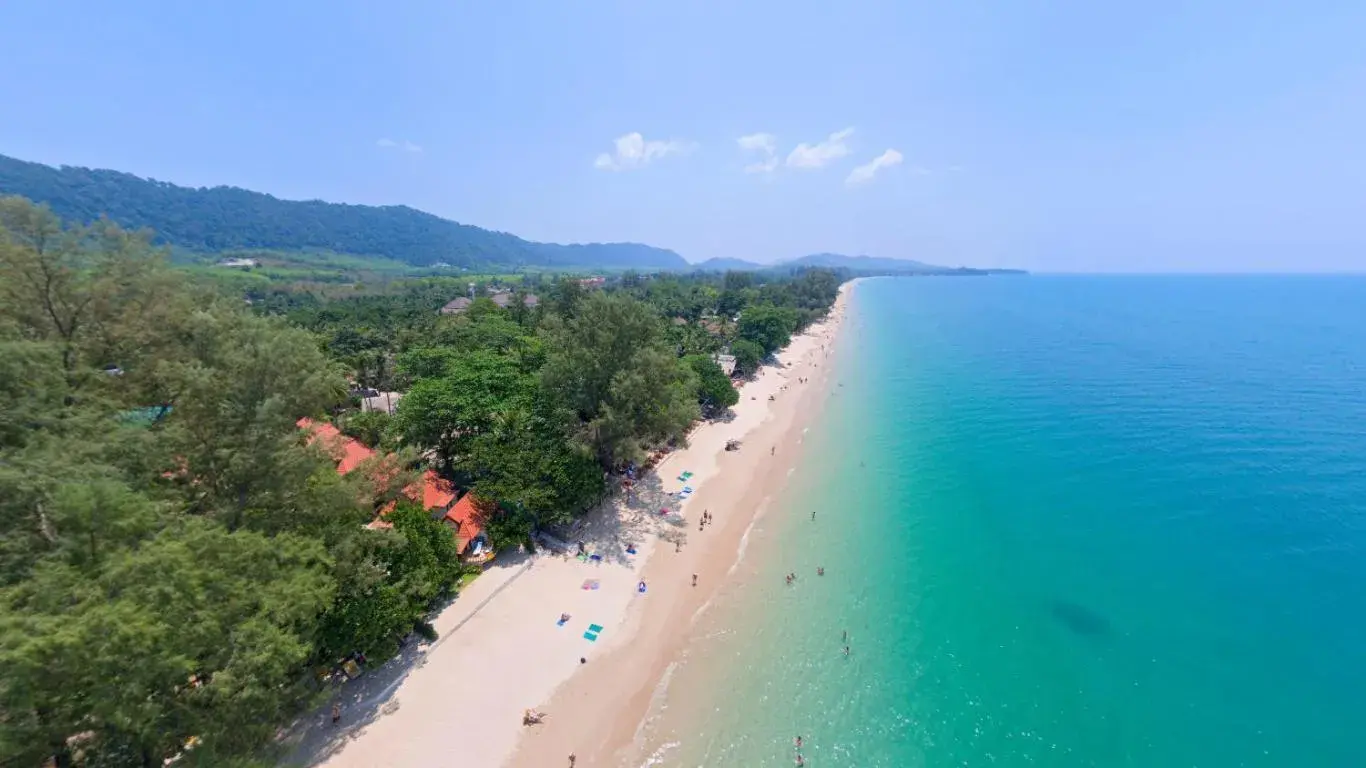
657,756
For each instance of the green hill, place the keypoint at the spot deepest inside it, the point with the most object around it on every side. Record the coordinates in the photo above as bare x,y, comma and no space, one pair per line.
218,219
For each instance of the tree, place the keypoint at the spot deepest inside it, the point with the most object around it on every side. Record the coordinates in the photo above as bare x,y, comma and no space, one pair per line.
369,427
748,356
199,632
715,393
610,365
534,471
102,296
445,413
768,326
237,390
391,582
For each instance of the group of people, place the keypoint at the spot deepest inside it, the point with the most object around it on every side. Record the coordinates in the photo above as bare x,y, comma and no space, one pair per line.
792,577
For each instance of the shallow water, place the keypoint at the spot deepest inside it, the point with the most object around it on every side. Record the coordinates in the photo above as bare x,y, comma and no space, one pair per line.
1066,521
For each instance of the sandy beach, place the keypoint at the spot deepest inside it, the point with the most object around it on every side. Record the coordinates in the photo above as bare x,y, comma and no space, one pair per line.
501,651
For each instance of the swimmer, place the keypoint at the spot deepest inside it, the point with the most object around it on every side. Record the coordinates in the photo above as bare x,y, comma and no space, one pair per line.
820,571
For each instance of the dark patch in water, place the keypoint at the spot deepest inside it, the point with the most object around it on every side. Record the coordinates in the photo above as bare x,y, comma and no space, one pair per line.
1079,618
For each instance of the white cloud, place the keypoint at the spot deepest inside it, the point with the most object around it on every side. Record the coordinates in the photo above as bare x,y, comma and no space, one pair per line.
820,153
406,146
766,143
768,166
633,151
865,173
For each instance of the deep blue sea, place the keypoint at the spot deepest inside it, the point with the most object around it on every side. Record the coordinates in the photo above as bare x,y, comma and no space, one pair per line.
1066,521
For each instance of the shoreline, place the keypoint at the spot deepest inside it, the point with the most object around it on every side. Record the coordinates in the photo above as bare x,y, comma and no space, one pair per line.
460,700
599,713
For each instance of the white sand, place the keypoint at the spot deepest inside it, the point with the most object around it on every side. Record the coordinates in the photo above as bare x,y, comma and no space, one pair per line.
460,702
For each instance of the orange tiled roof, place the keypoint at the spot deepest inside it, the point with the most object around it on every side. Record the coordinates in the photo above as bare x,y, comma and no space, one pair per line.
464,516
348,452
437,492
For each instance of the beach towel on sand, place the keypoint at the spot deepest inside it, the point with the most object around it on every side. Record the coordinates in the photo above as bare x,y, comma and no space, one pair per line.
591,584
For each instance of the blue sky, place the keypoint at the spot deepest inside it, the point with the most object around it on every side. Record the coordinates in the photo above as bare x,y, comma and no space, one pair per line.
1065,135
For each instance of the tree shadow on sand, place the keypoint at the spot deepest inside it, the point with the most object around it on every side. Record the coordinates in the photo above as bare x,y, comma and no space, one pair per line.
622,520
313,738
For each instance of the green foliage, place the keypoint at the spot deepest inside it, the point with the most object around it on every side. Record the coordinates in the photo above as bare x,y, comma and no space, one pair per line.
229,219
535,471
610,365
391,586
197,632
768,326
171,578
748,356
457,400
185,575
369,427
715,393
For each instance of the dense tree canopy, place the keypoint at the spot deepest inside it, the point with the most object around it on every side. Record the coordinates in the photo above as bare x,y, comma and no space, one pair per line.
174,556
610,364
179,561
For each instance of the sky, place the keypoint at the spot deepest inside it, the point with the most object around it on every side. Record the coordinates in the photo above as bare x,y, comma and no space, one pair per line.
1055,136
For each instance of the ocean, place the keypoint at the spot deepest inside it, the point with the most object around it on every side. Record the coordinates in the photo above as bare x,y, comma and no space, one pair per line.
1064,521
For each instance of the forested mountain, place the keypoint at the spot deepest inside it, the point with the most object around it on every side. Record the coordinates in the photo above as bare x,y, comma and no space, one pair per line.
725,264
216,219
864,263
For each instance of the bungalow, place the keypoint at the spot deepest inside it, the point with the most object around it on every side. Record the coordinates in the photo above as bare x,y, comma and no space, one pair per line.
348,452
504,299
466,520
456,306
727,363
435,493
501,298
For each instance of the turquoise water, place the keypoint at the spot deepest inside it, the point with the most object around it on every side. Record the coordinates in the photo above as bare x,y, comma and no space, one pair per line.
1067,521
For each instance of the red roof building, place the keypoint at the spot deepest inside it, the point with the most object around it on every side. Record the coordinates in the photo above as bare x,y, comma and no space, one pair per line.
465,518
436,493
347,452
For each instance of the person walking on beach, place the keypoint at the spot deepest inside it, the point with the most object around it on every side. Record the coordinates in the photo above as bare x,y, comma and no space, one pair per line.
572,759
694,579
